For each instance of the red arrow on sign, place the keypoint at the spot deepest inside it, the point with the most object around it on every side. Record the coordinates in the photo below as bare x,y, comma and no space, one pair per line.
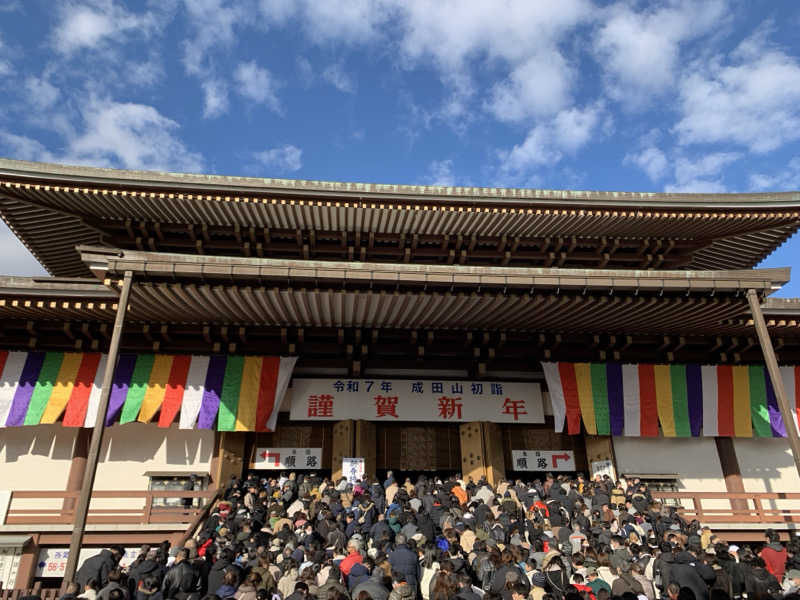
272,456
557,457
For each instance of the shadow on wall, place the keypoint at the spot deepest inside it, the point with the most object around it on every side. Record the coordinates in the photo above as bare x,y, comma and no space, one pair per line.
140,442
51,441
768,460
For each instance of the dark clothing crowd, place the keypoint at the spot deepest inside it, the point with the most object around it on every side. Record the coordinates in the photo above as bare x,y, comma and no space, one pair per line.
302,537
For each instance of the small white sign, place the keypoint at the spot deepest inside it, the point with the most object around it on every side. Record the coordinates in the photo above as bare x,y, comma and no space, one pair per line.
53,561
353,469
543,460
604,467
293,459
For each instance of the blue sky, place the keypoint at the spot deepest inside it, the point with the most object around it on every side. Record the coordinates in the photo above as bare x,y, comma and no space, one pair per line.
696,96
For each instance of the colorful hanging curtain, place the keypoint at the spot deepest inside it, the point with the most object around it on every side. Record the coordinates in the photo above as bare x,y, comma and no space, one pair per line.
686,400
237,393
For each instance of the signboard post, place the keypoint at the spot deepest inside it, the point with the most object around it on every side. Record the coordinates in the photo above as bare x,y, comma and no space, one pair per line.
287,458
543,460
353,469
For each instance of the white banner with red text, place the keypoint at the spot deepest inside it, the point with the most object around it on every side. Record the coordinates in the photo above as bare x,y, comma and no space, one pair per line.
421,400
287,458
543,460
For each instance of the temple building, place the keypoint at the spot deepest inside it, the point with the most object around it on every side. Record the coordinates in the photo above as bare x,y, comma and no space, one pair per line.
278,325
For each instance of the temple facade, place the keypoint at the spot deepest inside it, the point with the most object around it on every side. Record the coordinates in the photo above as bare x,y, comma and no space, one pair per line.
271,324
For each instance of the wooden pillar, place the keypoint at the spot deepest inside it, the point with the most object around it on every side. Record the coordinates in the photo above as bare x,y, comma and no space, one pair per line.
230,457
77,468
730,471
473,462
775,375
482,452
96,443
493,451
366,446
599,447
27,565
343,446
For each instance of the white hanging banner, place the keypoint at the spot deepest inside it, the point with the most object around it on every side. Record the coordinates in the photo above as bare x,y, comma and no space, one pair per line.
409,400
353,469
543,460
287,458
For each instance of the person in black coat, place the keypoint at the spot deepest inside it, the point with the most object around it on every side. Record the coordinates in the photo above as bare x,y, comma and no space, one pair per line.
377,586
97,567
216,576
405,561
688,571
181,580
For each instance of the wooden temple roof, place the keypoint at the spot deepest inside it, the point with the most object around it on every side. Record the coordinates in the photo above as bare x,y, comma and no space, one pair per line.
53,209
341,313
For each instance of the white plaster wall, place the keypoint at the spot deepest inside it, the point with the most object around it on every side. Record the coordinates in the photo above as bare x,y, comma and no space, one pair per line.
36,458
39,458
131,450
695,460
766,465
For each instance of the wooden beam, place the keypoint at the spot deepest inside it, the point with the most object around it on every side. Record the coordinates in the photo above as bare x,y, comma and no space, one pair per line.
775,375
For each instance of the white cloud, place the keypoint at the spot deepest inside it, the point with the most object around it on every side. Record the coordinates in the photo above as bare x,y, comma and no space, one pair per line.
440,172
134,136
305,72
522,37
89,23
15,258
112,134
703,174
750,98
551,139
338,78
24,148
256,83
144,72
215,98
285,158
651,160
213,23
640,50
787,179
5,64
538,86
351,22
41,93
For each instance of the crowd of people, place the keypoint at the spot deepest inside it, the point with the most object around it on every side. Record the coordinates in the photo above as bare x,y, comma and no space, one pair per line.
298,536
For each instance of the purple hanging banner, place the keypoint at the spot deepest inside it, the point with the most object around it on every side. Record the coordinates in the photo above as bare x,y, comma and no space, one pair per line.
22,396
119,386
212,392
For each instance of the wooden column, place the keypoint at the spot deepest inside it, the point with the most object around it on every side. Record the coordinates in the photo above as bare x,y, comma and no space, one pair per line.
27,565
599,447
230,457
77,468
482,452
366,446
493,451
775,375
730,471
82,508
343,446
473,461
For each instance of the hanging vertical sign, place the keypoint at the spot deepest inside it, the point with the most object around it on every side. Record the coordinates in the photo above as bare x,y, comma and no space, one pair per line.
353,469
